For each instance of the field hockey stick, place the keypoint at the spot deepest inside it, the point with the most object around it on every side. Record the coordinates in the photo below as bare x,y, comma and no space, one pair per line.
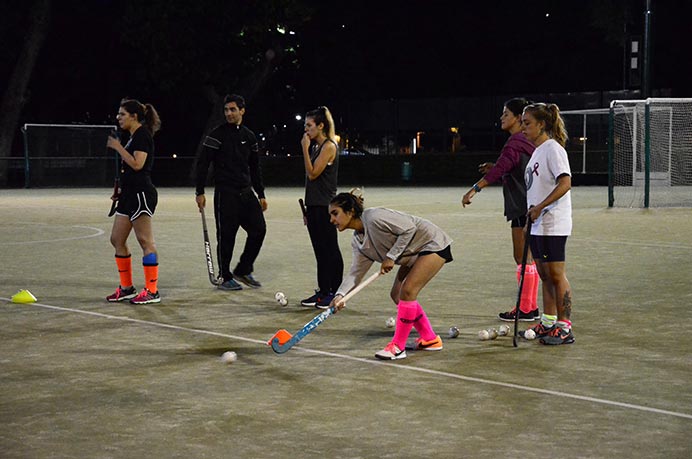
207,250
116,181
115,196
303,211
282,340
527,239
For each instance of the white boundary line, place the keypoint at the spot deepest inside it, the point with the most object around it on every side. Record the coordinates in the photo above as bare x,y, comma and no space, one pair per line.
374,362
98,232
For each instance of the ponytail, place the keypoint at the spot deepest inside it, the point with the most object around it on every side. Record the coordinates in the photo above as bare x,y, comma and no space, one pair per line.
549,114
350,202
323,115
146,114
558,130
151,119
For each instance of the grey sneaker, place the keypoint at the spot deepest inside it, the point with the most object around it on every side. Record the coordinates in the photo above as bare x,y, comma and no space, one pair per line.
230,284
248,280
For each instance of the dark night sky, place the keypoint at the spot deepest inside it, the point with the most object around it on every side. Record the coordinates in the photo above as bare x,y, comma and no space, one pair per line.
362,51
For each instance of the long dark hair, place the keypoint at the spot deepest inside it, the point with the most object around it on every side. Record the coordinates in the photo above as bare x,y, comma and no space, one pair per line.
323,115
350,202
517,105
146,114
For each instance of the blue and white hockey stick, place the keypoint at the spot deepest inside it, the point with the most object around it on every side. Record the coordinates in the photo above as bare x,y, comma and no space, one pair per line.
280,348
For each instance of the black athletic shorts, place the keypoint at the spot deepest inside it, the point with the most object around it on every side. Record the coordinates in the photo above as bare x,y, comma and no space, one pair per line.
548,248
519,222
445,253
133,205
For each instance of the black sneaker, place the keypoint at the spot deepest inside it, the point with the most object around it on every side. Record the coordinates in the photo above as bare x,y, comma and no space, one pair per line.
558,335
248,280
539,329
523,316
229,284
311,301
323,301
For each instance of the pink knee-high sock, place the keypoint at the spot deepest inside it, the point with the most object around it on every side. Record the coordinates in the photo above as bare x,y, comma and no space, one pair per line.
535,280
530,289
405,317
422,324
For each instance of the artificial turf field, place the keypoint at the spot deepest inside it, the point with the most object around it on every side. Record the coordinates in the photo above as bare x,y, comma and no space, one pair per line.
80,377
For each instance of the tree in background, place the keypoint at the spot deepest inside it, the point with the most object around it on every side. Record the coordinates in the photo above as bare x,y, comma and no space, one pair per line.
15,94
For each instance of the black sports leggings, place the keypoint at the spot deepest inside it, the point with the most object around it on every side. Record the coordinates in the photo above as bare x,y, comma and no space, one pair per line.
325,243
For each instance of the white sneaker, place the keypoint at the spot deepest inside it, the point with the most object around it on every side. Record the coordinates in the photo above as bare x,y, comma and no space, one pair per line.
391,352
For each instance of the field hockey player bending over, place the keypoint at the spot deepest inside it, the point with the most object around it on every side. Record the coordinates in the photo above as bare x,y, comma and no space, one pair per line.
393,238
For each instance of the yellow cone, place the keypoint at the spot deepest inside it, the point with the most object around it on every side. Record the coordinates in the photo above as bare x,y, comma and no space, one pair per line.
23,296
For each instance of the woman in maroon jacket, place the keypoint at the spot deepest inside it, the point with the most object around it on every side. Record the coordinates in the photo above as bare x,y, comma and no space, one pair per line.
510,168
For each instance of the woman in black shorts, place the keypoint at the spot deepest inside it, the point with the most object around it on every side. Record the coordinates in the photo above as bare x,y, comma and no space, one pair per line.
137,201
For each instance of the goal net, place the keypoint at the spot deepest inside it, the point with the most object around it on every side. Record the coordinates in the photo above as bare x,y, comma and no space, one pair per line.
67,155
650,153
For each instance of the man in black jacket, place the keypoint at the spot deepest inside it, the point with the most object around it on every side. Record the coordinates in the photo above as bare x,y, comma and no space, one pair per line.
233,150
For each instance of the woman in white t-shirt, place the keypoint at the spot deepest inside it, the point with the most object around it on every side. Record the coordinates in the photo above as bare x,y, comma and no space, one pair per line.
548,182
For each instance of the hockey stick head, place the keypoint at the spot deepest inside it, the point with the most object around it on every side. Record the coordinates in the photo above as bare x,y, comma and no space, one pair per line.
282,337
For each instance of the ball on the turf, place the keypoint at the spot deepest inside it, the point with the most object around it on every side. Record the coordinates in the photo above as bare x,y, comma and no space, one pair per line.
278,296
529,334
483,335
453,332
229,357
492,333
283,302
503,330
389,323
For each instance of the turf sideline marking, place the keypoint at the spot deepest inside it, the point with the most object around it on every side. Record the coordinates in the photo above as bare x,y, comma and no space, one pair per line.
374,362
98,232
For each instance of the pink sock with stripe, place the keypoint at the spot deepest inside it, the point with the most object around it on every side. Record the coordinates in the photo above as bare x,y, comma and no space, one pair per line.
406,315
422,324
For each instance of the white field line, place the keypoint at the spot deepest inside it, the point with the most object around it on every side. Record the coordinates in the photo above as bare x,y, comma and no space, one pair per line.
376,362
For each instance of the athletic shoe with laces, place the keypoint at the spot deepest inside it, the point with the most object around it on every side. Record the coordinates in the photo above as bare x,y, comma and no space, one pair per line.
311,301
146,297
248,279
523,316
122,294
558,335
229,284
323,301
539,329
391,352
420,344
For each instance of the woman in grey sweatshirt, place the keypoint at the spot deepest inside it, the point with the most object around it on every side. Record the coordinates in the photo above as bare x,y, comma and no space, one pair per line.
393,238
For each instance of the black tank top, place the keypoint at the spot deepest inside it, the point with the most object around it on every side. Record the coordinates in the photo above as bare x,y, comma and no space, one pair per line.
319,192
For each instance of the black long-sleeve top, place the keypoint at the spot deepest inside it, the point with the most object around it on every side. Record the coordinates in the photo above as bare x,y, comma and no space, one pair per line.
234,152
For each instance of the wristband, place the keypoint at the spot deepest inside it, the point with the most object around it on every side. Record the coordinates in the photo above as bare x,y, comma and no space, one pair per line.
476,188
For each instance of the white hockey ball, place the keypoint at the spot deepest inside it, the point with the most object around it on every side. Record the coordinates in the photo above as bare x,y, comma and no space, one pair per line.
530,334
278,296
504,330
229,357
390,322
483,335
453,332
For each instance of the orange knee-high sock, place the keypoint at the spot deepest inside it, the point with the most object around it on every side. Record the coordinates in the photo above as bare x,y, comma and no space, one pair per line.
529,290
151,272
124,264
